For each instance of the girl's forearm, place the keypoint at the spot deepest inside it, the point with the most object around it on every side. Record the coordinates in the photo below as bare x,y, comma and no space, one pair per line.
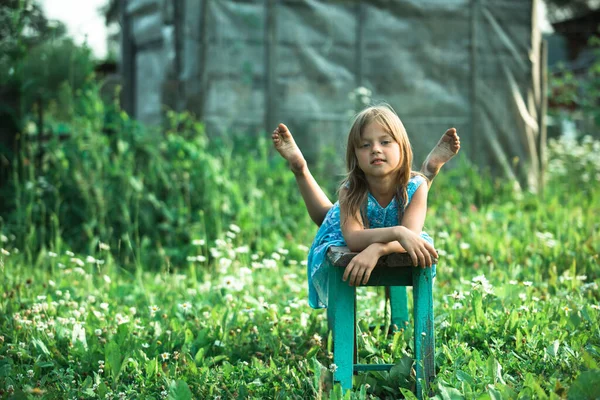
389,248
315,199
360,239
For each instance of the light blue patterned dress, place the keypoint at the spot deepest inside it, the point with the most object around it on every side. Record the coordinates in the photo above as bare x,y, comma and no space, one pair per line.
330,234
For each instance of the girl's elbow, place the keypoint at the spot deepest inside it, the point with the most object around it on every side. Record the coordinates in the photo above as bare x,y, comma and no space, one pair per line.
354,245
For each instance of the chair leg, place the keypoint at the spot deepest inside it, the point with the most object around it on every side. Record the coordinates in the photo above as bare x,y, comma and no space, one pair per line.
399,306
343,328
332,285
424,332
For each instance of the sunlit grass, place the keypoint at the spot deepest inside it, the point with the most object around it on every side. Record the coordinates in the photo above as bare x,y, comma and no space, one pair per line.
222,310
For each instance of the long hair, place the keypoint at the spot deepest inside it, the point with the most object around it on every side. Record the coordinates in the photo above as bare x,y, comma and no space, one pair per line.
355,182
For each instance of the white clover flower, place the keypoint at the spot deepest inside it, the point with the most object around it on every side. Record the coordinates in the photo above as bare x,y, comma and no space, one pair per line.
457,295
303,248
231,283
5,252
242,249
465,246
443,235
333,367
52,254
198,242
121,319
70,253
98,332
445,324
276,256
527,283
235,228
3,239
107,279
185,306
30,373
457,306
513,282
103,246
220,243
104,306
77,261
230,235
154,309
522,296
90,260
224,263
218,343
269,263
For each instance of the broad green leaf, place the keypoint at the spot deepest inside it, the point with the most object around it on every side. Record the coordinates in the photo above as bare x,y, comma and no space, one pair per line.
477,303
448,393
401,371
552,350
495,370
180,391
5,368
408,395
114,359
40,346
586,386
464,377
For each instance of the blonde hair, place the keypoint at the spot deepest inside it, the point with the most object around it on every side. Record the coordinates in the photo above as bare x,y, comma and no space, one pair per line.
355,184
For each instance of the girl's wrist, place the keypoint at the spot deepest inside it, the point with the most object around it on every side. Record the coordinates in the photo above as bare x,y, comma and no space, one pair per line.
399,231
378,248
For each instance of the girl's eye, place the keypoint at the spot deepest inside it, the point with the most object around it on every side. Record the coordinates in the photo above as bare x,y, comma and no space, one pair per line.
386,142
365,145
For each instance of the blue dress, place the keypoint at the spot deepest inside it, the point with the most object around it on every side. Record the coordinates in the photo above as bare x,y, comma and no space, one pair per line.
330,234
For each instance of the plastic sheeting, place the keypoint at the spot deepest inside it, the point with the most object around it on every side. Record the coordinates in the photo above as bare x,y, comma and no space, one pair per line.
243,66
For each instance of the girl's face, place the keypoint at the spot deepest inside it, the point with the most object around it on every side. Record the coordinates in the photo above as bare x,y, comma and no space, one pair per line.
378,154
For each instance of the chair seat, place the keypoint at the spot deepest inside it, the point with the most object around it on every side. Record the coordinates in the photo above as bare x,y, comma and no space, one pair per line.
393,270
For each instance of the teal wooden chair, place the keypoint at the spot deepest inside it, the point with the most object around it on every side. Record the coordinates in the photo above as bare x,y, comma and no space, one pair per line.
396,272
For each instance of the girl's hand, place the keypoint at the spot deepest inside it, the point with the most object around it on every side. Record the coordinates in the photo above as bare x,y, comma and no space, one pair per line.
422,252
360,267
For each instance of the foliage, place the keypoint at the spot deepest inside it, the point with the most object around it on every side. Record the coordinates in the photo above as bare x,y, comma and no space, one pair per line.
147,198
577,96
517,300
561,9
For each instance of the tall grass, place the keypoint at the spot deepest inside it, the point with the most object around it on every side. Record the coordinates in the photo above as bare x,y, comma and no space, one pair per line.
141,264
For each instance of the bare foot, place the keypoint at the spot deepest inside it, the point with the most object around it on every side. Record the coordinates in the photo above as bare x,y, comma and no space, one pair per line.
445,149
286,146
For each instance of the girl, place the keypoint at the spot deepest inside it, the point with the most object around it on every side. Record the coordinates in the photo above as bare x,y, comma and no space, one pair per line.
380,193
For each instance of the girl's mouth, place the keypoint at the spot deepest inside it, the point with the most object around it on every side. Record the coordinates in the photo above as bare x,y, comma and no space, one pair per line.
377,161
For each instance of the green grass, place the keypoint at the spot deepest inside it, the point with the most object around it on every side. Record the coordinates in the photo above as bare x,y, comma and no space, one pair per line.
202,308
